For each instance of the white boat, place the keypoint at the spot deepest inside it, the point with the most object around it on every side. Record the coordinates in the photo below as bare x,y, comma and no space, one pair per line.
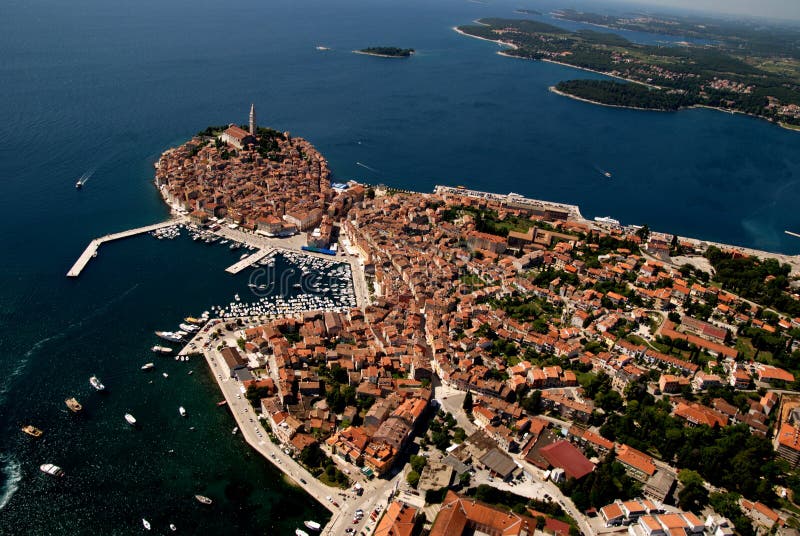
170,336
131,419
313,525
51,469
165,374
607,220
96,383
203,499
188,327
235,429
146,524
147,366
161,350
172,527
300,532
182,411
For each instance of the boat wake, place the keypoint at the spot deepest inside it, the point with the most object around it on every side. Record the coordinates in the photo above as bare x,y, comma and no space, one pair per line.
367,167
86,176
12,475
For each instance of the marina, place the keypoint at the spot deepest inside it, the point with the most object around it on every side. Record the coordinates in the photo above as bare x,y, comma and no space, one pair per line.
94,245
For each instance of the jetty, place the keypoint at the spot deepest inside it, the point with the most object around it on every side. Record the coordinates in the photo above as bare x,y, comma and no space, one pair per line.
248,261
94,245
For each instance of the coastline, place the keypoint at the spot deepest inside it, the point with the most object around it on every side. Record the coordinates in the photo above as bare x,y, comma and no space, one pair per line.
553,89
781,124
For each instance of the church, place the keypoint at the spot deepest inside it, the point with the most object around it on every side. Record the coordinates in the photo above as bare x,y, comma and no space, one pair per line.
238,137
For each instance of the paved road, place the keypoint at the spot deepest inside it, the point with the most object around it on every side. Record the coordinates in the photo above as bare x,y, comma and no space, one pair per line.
376,492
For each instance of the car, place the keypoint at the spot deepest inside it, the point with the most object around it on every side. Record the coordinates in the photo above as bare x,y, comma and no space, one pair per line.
303,481
335,504
349,530
355,520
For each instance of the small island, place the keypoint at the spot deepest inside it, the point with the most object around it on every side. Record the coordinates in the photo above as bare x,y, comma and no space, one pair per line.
386,52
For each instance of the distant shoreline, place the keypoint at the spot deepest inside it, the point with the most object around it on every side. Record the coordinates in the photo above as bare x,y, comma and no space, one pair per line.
785,126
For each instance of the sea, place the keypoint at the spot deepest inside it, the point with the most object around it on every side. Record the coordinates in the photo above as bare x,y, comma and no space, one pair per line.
100,89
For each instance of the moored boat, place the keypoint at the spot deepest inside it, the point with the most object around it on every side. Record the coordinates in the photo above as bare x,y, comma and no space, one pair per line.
203,499
161,350
188,327
31,430
313,525
51,469
73,405
170,336
193,320
222,402
130,419
235,429
147,366
300,532
182,411
95,382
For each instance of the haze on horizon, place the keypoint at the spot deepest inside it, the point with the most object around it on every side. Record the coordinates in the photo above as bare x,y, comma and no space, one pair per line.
772,9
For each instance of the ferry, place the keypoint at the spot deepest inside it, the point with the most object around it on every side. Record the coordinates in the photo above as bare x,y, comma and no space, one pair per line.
130,419
96,383
32,430
147,366
145,524
313,525
161,350
182,411
73,405
50,469
203,499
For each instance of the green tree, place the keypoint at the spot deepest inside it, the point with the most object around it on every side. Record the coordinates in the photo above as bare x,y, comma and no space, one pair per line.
467,405
418,463
693,494
413,479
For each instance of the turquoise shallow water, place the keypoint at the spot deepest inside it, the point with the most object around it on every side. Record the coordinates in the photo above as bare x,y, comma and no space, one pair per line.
96,85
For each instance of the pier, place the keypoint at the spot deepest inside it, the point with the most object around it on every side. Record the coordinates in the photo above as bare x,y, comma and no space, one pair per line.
248,261
94,245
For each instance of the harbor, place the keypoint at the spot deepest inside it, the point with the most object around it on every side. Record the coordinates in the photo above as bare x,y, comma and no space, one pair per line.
93,247
248,261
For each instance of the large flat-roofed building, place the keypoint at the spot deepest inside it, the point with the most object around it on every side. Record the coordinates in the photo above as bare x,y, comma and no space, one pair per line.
788,444
233,360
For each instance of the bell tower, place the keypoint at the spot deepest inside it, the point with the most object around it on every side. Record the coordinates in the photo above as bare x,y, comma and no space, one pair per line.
252,119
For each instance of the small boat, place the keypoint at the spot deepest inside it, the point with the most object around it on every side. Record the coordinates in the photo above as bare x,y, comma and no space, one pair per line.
203,499
96,383
300,532
165,374
321,48
235,429
172,527
190,372
161,350
147,366
170,336
146,524
50,469
73,405
188,327
182,411
32,430
193,320
313,525
222,402
131,419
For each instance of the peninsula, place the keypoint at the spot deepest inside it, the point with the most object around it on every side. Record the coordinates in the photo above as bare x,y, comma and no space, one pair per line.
386,52
655,77
504,357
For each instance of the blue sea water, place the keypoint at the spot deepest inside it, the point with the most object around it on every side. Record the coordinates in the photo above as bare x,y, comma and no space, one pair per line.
104,86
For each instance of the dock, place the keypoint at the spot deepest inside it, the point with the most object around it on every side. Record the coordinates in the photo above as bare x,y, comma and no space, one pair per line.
248,261
790,233
95,244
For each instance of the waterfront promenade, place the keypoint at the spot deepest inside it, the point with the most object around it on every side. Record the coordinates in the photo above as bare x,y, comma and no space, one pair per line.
376,491
95,244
